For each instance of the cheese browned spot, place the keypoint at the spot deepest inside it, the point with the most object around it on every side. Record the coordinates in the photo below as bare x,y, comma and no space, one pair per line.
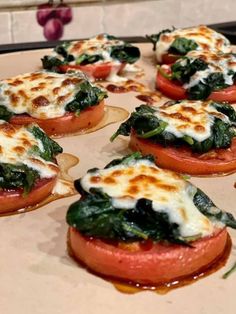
216,61
207,39
190,118
168,191
17,147
39,94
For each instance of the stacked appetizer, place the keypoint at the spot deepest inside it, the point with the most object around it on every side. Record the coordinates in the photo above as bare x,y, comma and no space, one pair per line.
200,75
170,45
100,57
142,224
28,169
58,103
194,137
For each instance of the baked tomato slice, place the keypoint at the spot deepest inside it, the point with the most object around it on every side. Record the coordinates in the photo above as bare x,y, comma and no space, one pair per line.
100,71
69,123
174,90
14,199
217,161
153,264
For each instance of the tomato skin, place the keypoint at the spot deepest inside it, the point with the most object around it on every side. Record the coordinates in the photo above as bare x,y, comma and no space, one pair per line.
69,123
99,71
175,91
169,88
12,200
159,264
183,160
169,58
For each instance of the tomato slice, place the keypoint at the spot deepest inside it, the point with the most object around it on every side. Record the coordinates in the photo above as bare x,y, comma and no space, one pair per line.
100,71
156,264
69,123
12,200
218,161
168,87
174,90
169,58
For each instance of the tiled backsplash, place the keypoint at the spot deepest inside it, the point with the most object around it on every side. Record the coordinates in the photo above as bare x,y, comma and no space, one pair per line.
122,18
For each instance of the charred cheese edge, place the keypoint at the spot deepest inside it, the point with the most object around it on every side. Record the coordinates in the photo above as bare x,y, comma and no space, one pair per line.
217,63
16,147
190,118
42,95
206,39
168,191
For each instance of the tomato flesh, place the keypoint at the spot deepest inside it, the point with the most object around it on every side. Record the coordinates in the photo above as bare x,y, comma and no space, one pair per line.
12,200
174,90
100,71
69,123
158,264
218,161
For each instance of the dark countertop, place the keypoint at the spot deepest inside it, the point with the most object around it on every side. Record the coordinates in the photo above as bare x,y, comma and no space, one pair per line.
228,29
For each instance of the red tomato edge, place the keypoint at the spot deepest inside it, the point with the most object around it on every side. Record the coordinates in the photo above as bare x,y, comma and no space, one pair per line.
177,92
160,264
99,71
170,158
13,200
67,124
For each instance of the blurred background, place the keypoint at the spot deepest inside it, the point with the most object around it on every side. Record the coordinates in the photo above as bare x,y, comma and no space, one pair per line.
39,20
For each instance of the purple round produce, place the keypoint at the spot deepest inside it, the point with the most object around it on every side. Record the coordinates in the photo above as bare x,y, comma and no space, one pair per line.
53,29
64,13
44,13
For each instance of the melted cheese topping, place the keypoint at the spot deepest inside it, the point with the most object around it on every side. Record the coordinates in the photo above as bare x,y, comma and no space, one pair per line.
169,193
191,118
97,45
217,62
42,95
16,145
206,39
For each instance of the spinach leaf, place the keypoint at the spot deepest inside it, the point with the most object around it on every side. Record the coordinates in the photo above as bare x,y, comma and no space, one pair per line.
147,125
208,208
51,63
84,59
94,215
214,81
182,46
125,53
154,38
5,114
50,147
129,159
62,50
184,68
88,95
17,176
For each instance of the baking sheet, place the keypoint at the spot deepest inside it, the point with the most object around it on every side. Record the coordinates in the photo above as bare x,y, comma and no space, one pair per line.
37,275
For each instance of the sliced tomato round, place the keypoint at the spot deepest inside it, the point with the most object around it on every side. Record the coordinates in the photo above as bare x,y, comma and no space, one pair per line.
155,264
174,90
69,123
100,71
12,200
217,161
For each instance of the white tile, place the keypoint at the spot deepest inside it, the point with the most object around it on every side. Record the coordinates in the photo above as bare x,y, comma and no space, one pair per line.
140,18
206,12
87,21
5,28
